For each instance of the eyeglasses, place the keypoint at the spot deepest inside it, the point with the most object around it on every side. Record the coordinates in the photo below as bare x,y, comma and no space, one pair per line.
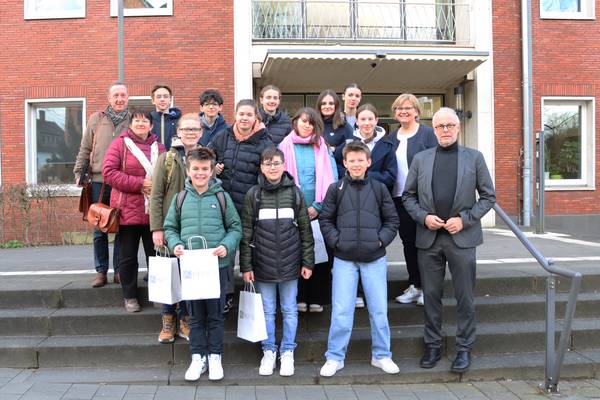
190,130
443,127
215,105
403,108
275,164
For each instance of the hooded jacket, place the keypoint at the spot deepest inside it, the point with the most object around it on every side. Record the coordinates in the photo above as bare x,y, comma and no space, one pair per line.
171,119
165,189
201,215
241,161
278,125
276,240
209,132
126,177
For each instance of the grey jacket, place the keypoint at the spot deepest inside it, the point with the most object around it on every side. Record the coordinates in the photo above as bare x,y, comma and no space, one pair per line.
472,176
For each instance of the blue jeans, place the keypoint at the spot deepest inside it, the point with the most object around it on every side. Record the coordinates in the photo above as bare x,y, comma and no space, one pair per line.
289,310
345,281
178,310
101,239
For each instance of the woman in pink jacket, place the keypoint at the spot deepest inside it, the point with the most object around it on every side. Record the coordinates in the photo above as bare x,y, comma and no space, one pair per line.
127,168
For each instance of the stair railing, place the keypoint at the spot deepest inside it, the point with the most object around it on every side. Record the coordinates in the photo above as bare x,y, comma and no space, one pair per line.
554,357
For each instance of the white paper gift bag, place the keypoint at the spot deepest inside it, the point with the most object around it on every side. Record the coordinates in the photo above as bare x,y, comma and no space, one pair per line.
164,284
199,273
320,249
251,315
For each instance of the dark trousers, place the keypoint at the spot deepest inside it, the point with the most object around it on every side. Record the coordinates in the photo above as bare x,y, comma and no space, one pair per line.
317,289
130,242
408,234
207,324
461,263
101,260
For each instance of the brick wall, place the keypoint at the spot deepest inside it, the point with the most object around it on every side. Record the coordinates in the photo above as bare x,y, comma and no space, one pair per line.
190,51
565,63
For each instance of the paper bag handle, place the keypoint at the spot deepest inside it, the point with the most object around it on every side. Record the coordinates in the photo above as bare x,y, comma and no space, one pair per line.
203,241
165,253
249,287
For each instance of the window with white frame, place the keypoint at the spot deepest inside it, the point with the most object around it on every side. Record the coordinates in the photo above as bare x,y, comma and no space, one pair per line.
133,8
567,9
568,124
49,9
54,128
142,102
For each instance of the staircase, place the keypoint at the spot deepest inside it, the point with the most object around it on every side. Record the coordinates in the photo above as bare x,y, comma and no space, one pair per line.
52,322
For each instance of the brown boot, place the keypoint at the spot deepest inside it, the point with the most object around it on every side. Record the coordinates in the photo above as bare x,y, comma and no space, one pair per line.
99,280
117,278
167,333
184,328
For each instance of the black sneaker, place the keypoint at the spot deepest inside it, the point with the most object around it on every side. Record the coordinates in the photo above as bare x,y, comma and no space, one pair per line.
228,303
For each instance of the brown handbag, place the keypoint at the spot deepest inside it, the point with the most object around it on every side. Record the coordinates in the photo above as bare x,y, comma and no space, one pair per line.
85,200
104,217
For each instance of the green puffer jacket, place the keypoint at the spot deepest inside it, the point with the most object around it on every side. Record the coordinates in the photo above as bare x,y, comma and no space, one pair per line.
280,241
201,215
163,189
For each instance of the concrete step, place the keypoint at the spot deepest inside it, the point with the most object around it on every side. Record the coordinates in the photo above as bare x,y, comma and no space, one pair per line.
115,320
75,291
138,350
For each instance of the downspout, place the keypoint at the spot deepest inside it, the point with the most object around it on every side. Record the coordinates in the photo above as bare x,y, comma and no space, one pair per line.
527,60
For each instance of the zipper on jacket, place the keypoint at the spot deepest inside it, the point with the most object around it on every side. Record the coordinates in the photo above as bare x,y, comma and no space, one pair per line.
277,232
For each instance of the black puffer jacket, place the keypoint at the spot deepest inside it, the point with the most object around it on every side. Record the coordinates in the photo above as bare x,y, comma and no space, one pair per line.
241,160
336,137
280,242
278,125
355,226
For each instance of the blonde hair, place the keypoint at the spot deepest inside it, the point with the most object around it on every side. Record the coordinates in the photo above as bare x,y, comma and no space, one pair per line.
411,98
188,116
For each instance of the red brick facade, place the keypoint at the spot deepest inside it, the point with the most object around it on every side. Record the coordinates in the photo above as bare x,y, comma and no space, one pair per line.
565,63
191,50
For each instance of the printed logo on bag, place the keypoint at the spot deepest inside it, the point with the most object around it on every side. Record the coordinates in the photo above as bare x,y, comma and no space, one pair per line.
186,274
213,206
152,279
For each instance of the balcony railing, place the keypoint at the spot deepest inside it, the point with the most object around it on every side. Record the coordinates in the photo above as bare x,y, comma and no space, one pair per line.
362,21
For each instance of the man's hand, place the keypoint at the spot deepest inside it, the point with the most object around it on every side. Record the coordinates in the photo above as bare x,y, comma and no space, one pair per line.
158,238
178,250
306,273
312,213
147,186
433,222
219,168
454,225
248,276
220,251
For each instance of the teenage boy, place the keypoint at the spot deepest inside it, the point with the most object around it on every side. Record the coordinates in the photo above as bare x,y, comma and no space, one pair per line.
164,119
358,221
211,103
277,247
168,179
200,213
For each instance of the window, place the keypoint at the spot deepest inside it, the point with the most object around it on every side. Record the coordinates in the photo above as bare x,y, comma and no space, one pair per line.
54,128
48,9
567,9
143,102
569,154
132,8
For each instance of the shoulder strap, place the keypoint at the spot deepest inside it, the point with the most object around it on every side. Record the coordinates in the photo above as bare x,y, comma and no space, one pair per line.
223,205
377,191
169,164
297,200
179,202
339,193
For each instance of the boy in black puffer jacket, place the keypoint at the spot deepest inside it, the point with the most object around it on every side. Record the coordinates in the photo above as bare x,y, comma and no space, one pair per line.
358,221
277,247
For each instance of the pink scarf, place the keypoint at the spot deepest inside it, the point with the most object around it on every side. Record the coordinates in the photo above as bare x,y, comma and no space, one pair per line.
323,167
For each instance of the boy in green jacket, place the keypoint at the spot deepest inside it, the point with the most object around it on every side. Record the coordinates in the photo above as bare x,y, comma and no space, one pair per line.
200,214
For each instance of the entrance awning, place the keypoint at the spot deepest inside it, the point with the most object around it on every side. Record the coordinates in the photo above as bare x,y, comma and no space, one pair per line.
300,70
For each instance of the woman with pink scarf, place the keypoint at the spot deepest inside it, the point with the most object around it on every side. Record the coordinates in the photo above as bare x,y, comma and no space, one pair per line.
308,160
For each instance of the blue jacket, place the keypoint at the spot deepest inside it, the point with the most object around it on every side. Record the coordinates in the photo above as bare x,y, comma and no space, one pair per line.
278,125
171,120
307,174
335,137
424,139
384,167
209,132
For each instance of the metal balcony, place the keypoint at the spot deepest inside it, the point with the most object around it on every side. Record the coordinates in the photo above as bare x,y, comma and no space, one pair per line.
405,22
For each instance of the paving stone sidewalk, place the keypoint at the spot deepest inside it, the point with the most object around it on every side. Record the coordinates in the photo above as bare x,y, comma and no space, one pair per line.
22,384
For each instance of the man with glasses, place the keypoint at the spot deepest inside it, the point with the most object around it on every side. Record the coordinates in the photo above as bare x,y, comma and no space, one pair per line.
439,195
164,118
168,179
211,104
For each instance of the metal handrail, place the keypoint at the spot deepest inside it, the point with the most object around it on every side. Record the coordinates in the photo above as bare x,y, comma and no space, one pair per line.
554,358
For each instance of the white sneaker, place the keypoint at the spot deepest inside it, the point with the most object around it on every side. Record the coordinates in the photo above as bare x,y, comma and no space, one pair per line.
410,294
386,364
197,368
302,307
267,364
286,367
421,300
331,367
215,370
360,303
315,308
